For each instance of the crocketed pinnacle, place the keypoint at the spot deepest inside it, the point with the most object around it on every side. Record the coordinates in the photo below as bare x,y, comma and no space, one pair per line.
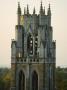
19,9
49,10
44,10
34,11
41,8
27,10
24,10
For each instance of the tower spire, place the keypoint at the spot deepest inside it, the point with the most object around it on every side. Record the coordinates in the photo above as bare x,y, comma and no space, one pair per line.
41,8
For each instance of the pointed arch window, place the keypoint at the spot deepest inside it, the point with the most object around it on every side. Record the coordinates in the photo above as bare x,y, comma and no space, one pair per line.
21,83
34,81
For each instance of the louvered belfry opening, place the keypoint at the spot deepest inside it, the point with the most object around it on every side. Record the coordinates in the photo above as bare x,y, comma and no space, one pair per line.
30,44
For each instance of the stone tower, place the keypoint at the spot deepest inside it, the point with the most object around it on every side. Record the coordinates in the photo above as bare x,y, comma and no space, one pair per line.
33,52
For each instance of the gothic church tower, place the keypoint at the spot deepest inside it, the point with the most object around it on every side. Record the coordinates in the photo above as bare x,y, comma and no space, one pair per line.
33,52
